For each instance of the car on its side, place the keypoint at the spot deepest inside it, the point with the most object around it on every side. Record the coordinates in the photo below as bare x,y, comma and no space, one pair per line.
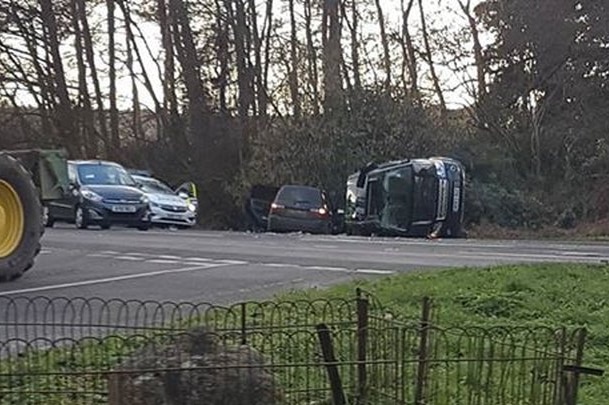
101,193
166,207
301,208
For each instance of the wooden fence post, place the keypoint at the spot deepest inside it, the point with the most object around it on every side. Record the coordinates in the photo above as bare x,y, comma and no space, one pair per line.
425,330
327,348
363,307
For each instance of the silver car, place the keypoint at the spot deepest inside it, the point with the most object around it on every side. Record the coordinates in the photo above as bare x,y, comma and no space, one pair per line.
166,207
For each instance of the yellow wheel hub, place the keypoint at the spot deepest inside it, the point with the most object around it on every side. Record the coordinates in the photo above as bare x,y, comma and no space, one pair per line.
12,220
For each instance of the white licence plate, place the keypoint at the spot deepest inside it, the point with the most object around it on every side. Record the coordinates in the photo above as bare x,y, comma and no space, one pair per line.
124,208
456,199
174,216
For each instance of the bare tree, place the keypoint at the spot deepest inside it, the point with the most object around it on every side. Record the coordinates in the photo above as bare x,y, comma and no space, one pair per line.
428,55
385,42
332,56
64,119
88,44
409,52
293,66
114,133
478,53
311,56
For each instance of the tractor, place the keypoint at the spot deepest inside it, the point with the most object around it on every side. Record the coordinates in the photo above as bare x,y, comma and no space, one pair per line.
28,180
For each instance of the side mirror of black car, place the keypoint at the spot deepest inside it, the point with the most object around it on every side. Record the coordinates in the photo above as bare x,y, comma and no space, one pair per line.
74,186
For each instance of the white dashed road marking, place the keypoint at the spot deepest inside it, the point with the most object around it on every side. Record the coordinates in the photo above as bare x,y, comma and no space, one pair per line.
111,279
205,261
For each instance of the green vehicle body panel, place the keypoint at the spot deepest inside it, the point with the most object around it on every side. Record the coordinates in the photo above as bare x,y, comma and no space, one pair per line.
48,168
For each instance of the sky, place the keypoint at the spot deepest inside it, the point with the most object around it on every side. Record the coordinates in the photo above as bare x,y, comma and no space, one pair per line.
436,10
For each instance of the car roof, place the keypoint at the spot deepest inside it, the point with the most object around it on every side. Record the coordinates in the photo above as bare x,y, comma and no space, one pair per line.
292,186
94,162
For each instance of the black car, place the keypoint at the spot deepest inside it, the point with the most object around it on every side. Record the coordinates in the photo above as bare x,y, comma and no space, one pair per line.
101,193
301,208
412,197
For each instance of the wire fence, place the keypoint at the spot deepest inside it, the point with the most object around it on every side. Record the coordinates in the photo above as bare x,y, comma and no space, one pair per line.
300,352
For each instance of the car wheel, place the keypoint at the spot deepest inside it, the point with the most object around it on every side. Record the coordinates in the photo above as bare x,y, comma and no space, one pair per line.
105,226
47,220
80,218
143,227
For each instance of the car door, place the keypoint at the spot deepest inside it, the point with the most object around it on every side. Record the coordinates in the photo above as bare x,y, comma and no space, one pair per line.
188,191
63,208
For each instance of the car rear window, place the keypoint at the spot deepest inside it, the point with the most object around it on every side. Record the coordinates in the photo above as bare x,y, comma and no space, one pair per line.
300,196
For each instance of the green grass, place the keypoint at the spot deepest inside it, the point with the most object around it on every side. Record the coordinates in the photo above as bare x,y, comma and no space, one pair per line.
551,295
540,295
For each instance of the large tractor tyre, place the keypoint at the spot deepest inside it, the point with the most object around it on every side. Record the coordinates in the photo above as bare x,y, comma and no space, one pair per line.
20,220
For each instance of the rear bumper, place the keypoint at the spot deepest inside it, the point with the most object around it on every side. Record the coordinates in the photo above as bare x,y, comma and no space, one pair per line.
286,224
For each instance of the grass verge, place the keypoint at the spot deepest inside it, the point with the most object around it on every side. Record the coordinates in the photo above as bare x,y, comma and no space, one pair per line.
546,295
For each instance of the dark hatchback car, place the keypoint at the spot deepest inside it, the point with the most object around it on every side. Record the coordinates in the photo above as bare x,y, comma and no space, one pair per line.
101,193
301,208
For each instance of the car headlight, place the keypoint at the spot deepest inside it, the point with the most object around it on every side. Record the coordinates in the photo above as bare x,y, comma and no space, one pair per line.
192,207
144,199
90,195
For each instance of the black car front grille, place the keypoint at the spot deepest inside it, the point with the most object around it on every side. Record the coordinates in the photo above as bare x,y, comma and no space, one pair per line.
121,201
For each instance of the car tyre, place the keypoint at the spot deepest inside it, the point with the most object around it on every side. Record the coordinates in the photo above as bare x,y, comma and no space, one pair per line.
81,219
144,227
106,226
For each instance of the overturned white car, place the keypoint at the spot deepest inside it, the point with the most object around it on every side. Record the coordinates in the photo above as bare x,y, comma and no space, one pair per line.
167,207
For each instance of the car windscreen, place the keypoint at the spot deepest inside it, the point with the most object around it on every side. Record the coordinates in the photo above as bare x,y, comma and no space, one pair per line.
305,197
104,175
154,186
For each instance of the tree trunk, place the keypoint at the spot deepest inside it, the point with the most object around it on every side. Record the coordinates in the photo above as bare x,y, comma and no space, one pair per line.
136,122
357,80
169,85
115,137
87,118
331,31
478,53
257,80
385,42
311,57
409,53
187,55
243,82
88,42
293,70
65,118
434,76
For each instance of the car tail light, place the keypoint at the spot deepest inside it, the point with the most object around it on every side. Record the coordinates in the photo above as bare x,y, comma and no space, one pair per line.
276,208
320,212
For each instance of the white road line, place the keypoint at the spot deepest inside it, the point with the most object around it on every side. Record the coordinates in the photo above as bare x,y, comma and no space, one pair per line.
109,279
129,258
109,252
325,268
163,261
374,271
198,259
170,257
280,265
234,262
45,252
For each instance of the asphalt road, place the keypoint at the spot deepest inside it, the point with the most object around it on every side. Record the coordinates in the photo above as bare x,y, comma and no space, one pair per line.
223,266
